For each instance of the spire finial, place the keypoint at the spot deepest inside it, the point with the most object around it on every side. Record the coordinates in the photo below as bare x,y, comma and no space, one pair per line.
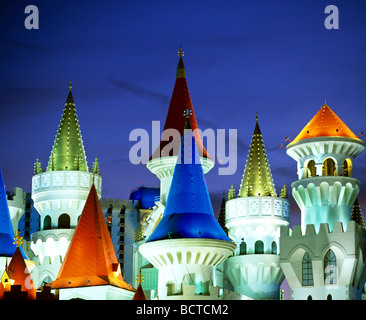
256,117
140,278
187,113
70,85
180,52
18,240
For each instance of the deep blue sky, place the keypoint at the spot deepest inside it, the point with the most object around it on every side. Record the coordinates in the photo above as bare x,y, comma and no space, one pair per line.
241,57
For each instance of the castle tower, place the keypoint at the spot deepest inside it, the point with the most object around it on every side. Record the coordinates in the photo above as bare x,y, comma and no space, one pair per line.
7,245
163,159
254,219
325,151
16,282
59,194
324,257
90,269
188,242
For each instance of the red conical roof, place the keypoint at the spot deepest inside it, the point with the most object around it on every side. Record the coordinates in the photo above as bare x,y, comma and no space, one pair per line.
180,101
139,294
90,259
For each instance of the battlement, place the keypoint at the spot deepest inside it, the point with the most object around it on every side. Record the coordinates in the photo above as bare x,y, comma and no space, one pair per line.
215,293
116,203
352,228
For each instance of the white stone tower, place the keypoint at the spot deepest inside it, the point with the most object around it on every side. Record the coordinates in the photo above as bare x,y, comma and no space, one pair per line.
59,195
324,257
188,243
254,219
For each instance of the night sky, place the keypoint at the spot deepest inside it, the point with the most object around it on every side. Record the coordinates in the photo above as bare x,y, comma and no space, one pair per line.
241,57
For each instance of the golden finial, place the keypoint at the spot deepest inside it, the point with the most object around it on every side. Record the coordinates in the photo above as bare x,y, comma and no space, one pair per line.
180,52
70,85
18,239
256,116
140,278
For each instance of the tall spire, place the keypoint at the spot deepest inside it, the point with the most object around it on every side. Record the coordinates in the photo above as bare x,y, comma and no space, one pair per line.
68,150
180,101
188,212
257,179
90,259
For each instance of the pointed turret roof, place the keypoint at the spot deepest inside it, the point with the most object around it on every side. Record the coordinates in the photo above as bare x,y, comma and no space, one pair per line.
90,259
257,178
180,101
68,149
188,212
325,123
7,247
18,273
356,214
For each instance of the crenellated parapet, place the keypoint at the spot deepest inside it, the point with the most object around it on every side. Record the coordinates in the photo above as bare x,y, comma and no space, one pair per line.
347,276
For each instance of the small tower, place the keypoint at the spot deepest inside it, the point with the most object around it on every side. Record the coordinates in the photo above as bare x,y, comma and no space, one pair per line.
325,151
16,282
7,245
324,257
163,159
188,242
254,219
59,194
90,269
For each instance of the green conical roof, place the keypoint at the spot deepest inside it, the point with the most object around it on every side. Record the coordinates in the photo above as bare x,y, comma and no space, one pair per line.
357,214
257,179
68,150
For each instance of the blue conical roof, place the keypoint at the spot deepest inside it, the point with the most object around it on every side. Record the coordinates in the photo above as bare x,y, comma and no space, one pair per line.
7,246
188,212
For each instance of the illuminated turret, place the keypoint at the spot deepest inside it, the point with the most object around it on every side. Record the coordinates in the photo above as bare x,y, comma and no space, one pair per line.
188,242
59,194
324,257
163,159
254,219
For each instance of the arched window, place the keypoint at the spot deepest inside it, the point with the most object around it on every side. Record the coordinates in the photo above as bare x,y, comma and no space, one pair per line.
47,223
329,297
259,247
274,247
243,248
347,168
64,221
310,297
311,169
307,271
329,167
330,268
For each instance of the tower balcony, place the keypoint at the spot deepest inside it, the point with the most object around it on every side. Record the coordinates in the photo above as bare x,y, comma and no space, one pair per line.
256,218
58,192
325,199
186,262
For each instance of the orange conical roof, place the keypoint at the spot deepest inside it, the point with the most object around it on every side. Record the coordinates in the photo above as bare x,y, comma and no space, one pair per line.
90,259
18,272
180,101
325,124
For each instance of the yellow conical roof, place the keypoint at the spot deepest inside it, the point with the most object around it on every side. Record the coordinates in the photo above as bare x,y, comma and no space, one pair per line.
257,178
68,150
